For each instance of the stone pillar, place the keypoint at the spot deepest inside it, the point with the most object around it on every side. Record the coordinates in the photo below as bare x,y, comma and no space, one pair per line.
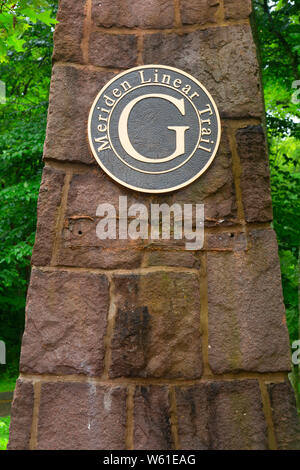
132,345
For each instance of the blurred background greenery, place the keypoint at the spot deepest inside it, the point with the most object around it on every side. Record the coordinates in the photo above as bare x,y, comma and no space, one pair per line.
26,37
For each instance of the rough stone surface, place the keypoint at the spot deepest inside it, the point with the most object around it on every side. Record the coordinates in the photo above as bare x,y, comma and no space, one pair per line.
255,174
237,9
285,416
157,326
215,189
69,31
113,50
221,416
134,13
72,93
199,11
80,244
152,430
246,317
48,206
213,56
21,416
65,323
227,241
78,416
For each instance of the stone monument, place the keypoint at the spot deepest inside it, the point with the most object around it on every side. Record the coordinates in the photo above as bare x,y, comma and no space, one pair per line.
142,344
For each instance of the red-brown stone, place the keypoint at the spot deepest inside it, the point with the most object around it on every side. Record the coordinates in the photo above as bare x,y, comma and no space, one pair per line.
213,56
72,93
68,33
113,50
134,13
152,429
21,416
65,323
48,207
199,11
221,416
81,416
285,416
255,175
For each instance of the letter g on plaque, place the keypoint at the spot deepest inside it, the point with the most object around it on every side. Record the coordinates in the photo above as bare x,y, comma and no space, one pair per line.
154,129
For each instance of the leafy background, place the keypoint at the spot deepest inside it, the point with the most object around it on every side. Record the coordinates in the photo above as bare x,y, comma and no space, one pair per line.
26,30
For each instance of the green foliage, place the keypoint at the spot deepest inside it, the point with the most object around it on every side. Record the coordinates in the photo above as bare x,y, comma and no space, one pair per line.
22,126
16,18
4,430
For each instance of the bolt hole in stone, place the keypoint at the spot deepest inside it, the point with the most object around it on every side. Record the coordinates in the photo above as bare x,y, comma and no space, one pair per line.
79,232
232,235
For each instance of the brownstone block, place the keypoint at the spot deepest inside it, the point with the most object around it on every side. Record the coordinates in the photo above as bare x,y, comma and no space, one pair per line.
134,13
174,258
48,205
199,11
69,31
113,50
246,317
81,416
80,244
213,56
237,9
157,326
72,93
65,323
21,416
221,416
215,189
227,241
255,175
285,416
152,430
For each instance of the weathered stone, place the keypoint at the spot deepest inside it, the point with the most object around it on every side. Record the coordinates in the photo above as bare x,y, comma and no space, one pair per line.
285,416
237,9
48,205
69,31
221,416
157,326
72,93
20,424
88,190
80,416
134,13
69,308
199,11
213,56
152,429
215,189
174,258
246,318
227,241
255,175
113,50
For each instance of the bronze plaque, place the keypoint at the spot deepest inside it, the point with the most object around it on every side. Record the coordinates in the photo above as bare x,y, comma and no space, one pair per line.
154,129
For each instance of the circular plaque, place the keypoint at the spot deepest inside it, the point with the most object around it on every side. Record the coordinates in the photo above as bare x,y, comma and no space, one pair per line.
154,129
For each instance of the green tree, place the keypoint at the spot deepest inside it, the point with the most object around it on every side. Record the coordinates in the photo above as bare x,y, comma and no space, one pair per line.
26,70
